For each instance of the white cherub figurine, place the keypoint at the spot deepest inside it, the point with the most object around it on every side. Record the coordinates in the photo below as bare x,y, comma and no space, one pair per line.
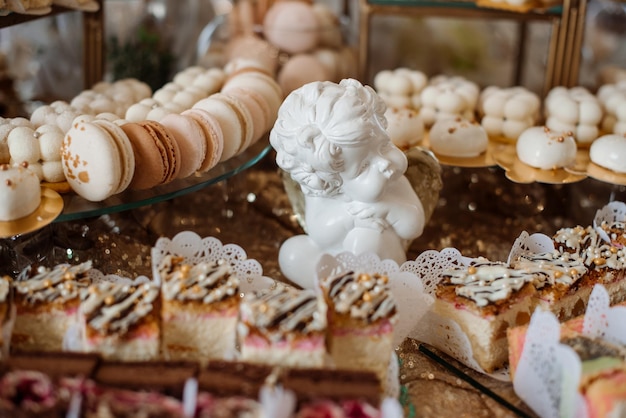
331,138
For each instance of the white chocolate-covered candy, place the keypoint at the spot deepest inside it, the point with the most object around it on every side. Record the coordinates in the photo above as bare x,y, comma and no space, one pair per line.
23,145
609,151
139,111
446,97
50,139
507,112
575,110
401,87
458,137
404,126
543,148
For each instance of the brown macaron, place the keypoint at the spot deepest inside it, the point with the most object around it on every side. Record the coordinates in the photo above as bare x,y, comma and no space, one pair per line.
157,154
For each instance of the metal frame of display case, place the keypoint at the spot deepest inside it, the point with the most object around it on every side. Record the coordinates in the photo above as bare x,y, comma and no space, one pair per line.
93,38
564,49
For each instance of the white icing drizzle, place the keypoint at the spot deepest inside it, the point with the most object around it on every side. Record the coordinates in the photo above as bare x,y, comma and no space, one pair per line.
277,313
484,281
552,268
111,308
208,282
61,283
363,296
592,249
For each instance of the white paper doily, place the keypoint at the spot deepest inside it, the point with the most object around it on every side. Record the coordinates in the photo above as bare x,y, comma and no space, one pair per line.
195,249
610,213
548,372
536,243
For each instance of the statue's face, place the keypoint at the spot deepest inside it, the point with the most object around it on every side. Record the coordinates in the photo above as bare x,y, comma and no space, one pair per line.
369,167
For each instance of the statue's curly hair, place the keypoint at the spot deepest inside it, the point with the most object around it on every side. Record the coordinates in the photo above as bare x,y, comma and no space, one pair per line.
315,122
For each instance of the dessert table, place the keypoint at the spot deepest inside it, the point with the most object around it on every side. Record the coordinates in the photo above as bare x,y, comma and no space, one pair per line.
479,212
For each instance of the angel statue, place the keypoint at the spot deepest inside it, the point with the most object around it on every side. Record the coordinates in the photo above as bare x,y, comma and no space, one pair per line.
332,140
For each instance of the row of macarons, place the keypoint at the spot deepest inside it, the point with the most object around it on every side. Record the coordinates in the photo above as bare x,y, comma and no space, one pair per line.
102,157
242,103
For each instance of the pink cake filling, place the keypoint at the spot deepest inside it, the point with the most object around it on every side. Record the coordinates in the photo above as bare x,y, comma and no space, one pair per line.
304,344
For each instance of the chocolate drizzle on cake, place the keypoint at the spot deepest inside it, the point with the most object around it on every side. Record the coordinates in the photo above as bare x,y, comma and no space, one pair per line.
207,282
552,268
112,308
61,283
362,296
592,249
484,281
278,312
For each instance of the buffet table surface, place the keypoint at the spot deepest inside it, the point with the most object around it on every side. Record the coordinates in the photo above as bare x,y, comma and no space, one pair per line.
479,212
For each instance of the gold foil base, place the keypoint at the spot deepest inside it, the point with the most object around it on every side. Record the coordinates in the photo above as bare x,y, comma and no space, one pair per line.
519,172
50,207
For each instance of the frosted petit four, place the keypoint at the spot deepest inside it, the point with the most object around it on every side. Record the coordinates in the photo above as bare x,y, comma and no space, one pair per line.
540,147
404,126
575,110
609,151
20,192
507,112
458,137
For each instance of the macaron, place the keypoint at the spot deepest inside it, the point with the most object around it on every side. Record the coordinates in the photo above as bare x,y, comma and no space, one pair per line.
261,83
292,26
258,109
244,116
213,135
125,150
302,69
91,161
157,156
191,141
229,119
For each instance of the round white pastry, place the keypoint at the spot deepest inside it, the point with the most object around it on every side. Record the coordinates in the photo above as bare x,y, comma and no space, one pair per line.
404,126
20,192
24,145
609,151
458,137
541,147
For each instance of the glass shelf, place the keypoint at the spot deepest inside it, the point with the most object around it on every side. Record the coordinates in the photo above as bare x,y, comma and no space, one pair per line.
75,207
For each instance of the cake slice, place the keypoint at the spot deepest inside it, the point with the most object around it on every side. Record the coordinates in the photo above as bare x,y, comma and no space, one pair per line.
332,385
603,372
43,384
234,378
138,389
486,298
361,317
283,326
199,306
557,280
231,388
605,260
120,321
46,301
